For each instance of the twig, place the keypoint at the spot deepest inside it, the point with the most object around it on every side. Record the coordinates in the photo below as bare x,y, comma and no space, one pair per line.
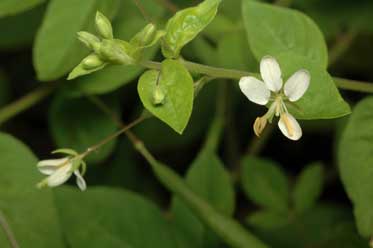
8,231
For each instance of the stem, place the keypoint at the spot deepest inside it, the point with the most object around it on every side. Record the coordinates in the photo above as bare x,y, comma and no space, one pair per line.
8,231
257,143
25,102
341,45
113,136
216,72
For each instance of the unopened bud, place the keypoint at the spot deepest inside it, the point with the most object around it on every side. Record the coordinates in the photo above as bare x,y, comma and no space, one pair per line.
103,26
112,51
259,125
88,39
158,96
145,36
92,61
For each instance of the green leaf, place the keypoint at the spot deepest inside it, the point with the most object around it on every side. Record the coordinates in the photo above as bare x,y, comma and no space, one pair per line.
30,212
104,217
208,178
273,30
57,49
267,219
308,187
227,228
325,226
185,25
355,164
177,85
265,184
79,124
128,22
12,7
322,99
19,31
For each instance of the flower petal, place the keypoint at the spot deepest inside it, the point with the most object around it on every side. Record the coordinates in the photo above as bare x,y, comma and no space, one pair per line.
48,167
80,181
297,85
271,73
255,90
290,127
60,176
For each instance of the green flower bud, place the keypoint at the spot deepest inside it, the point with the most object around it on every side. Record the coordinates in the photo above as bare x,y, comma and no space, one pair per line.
145,36
158,96
103,26
114,52
92,61
88,39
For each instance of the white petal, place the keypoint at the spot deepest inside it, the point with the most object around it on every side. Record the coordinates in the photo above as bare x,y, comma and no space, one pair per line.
271,73
255,90
60,176
80,181
48,167
290,127
297,85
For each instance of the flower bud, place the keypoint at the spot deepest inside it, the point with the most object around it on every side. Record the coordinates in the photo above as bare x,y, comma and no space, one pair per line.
145,36
92,61
112,51
91,41
158,96
103,26
259,125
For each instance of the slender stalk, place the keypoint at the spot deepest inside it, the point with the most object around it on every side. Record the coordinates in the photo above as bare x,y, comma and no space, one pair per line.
8,231
341,45
257,143
216,72
25,102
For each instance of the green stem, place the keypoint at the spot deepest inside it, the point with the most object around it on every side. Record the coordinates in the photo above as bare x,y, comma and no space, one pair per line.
217,126
257,143
216,72
341,45
25,102
8,231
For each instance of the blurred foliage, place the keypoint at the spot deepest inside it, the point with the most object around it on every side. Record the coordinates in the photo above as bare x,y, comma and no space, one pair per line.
288,195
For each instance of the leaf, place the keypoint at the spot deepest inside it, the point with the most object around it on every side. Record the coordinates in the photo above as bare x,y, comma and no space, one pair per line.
322,99
19,31
79,124
308,187
185,25
273,30
177,86
265,184
57,49
30,212
325,226
208,178
105,217
12,7
266,219
227,228
356,164
128,22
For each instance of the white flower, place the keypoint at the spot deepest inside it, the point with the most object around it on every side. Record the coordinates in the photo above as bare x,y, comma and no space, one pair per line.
272,90
59,171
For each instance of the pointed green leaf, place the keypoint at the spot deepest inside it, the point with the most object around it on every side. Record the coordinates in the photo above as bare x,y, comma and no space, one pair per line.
308,187
265,184
273,30
112,218
57,50
356,164
177,86
30,212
